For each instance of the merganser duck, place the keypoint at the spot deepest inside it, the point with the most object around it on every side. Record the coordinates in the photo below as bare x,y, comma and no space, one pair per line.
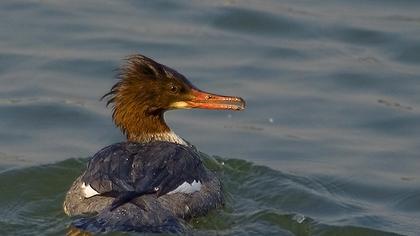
155,179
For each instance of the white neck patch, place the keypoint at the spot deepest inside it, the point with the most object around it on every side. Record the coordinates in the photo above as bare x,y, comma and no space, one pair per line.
166,136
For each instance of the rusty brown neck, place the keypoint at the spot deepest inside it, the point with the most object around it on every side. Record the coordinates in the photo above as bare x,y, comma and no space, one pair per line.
139,126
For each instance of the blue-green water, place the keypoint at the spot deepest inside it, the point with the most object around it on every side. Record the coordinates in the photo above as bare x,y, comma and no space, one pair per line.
329,143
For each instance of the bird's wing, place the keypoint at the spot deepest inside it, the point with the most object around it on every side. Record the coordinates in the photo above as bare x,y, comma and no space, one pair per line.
129,170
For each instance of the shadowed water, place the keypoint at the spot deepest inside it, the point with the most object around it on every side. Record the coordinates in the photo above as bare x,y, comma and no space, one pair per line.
328,145
249,209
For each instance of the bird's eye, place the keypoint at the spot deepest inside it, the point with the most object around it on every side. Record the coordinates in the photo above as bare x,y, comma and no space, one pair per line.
173,88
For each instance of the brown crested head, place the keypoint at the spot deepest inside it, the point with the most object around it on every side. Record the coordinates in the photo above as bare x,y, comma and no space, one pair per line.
146,89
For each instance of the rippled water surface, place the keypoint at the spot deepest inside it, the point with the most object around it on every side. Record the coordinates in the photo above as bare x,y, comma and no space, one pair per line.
329,143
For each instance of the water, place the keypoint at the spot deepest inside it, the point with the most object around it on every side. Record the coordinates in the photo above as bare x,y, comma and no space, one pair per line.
328,145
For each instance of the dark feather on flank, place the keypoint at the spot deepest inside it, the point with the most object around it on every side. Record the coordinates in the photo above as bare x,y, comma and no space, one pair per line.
129,170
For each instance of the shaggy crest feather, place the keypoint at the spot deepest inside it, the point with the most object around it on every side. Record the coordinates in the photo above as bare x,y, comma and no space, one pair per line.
137,100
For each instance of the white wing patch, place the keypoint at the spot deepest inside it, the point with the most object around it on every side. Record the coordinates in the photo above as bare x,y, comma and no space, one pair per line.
187,188
88,191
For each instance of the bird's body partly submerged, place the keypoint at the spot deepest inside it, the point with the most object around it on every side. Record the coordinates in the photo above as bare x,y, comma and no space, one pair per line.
156,179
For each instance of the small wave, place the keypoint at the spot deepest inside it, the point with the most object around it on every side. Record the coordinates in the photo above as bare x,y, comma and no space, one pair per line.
256,203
